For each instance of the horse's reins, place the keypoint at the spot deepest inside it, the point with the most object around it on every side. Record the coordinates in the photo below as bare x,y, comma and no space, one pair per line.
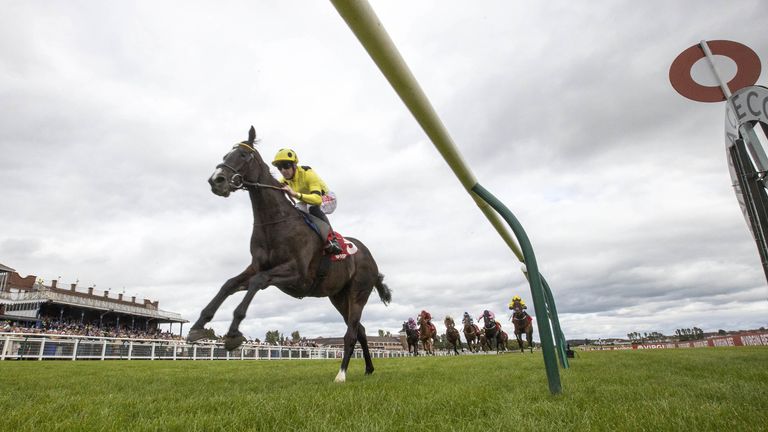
239,182
522,314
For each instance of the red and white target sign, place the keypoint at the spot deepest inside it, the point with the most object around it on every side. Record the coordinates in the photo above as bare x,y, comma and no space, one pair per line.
747,72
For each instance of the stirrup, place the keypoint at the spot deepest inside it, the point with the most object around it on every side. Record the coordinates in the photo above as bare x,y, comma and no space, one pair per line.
333,247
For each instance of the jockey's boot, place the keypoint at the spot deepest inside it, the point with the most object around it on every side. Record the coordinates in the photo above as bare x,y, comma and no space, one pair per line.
333,247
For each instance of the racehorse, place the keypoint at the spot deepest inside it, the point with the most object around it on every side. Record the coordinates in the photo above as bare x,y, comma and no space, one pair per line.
523,324
492,331
427,336
412,338
502,341
452,335
287,253
482,341
472,335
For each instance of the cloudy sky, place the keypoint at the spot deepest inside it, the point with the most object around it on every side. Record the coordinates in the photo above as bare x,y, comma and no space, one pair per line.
113,115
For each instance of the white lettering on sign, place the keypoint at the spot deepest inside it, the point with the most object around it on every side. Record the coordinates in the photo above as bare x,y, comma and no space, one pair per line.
758,339
723,342
745,105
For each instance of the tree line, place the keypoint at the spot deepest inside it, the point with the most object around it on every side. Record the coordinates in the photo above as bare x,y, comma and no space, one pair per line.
683,334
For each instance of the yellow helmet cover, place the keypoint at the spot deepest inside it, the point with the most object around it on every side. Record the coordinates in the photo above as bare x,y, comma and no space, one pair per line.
285,155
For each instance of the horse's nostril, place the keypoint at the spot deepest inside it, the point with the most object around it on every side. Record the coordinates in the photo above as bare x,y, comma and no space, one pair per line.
219,179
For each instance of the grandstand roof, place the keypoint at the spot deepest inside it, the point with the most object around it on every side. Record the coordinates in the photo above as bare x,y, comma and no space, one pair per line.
6,268
90,302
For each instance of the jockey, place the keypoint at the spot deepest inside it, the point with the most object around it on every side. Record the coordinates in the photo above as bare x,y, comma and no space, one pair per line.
303,184
467,319
412,324
487,313
517,299
427,317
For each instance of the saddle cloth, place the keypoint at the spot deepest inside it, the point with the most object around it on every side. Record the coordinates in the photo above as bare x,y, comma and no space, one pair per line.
347,247
324,231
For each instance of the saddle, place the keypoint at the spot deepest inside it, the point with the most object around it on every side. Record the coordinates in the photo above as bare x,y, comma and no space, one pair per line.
324,231
496,325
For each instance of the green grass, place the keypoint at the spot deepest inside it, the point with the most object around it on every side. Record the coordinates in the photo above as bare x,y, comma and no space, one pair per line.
691,390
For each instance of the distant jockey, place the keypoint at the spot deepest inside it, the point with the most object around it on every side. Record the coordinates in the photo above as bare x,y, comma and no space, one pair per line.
517,300
516,303
467,319
427,318
412,324
487,313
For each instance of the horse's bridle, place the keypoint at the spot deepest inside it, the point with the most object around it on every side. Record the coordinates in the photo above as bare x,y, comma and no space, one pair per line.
237,181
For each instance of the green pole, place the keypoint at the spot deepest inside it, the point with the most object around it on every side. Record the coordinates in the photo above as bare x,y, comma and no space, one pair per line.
559,337
537,292
364,23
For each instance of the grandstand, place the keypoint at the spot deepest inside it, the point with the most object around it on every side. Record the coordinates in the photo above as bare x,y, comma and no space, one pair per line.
27,303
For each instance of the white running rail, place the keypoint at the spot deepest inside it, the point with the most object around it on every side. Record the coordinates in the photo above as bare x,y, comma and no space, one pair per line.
23,346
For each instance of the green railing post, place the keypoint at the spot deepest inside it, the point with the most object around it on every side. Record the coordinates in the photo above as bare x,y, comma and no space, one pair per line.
363,22
537,290
559,336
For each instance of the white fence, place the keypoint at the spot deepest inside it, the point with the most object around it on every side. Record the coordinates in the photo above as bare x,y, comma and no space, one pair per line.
21,346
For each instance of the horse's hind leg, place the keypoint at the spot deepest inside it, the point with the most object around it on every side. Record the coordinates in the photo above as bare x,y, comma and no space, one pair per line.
230,287
363,339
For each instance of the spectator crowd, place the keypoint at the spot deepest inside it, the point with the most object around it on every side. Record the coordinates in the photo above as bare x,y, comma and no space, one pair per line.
56,327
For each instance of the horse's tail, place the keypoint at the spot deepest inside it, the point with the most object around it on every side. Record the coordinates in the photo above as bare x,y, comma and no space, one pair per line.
384,292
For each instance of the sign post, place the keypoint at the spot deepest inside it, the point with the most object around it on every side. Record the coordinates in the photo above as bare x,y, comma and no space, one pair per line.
746,115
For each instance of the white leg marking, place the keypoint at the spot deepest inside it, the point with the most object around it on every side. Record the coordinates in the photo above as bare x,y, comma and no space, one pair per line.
341,377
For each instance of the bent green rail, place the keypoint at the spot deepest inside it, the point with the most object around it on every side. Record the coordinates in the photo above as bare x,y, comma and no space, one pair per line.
366,26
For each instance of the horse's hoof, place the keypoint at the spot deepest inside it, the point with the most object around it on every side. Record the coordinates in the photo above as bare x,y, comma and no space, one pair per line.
195,335
232,343
341,377
369,371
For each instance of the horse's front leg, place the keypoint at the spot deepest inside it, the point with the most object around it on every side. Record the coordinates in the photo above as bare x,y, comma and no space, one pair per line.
530,340
280,274
230,287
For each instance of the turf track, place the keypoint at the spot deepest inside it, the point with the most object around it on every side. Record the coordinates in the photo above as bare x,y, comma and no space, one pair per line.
691,389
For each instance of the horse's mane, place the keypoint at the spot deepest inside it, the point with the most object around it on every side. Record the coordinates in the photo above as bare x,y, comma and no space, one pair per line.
266,177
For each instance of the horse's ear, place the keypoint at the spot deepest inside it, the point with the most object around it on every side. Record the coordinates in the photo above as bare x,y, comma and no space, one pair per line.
251,136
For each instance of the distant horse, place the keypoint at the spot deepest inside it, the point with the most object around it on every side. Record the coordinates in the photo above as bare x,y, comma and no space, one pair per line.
427,336
287,253
492,331
523,324
472,335
482,341
502,341
452,335
412,338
